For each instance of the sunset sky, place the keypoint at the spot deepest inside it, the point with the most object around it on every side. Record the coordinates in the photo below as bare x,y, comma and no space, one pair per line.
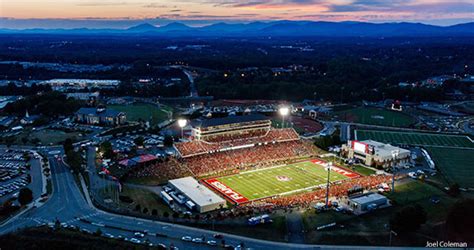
123,13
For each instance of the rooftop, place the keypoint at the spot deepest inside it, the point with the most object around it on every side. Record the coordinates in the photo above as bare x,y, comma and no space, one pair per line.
384,149
95,112
367,198
199,194
229,120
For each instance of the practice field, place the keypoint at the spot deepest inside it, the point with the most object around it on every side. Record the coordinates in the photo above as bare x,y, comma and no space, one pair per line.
144,112
452,154
256,184
457,165
375,116
418,139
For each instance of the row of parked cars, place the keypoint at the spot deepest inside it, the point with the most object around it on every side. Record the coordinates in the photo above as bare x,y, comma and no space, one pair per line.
13,186
210,242
12,156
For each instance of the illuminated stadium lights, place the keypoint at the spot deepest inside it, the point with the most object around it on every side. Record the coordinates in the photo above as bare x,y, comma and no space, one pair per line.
395,154
284,111
182,123
327,184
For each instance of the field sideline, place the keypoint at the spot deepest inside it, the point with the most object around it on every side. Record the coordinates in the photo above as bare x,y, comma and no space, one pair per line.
279,180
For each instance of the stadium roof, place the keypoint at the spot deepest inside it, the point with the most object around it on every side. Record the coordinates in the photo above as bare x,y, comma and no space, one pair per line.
199,194
229,120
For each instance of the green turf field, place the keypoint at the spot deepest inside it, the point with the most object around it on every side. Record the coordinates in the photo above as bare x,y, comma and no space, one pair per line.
457,165
452,154
265,182
143,111
411,138
375,116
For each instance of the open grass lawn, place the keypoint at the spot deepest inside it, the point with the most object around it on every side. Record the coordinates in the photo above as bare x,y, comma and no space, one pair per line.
363,170
48,136
457,165
144,112
145,198
279,180
369,229
375,116
413,138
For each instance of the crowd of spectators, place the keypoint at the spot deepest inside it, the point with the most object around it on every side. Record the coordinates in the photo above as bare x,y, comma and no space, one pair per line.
337,190
257,156
218,143
165,170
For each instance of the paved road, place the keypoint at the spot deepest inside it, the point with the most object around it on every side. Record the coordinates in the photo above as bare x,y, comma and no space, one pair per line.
68,205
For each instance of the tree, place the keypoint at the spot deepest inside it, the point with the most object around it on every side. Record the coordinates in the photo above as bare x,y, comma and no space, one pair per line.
168,141
98,232
454,190
408,219
25,196
139,141
107,150
460,221
67,145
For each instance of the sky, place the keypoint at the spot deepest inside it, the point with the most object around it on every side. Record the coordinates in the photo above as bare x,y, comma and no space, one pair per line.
126,13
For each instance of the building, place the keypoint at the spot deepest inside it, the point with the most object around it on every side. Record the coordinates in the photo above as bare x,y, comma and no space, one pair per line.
100,116
232,125
29,119
375,154
203,198
367,202
80,84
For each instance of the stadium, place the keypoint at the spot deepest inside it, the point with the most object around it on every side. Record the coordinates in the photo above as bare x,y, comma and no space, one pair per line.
248,162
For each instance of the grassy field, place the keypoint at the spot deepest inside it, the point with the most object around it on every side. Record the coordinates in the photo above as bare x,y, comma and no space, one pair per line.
455,164
418,139
375,116
370,228
279,180
452,154
48,136
144,112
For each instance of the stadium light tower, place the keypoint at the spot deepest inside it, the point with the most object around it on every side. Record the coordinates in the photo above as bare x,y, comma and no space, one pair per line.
284,111
395,156
182,123
327,184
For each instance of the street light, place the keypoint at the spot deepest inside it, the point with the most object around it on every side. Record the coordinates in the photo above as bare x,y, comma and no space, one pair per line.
182,123
327,184
284,111
395,156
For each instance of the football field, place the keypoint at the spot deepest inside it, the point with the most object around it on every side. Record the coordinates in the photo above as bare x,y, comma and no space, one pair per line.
281,180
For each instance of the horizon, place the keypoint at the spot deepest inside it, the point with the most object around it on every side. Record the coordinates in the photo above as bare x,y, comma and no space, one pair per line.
25,14
126,24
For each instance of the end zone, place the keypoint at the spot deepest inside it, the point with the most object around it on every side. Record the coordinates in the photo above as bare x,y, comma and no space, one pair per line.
228,192
337,169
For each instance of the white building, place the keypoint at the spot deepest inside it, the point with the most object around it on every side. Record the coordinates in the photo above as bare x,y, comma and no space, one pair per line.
376,154
203,198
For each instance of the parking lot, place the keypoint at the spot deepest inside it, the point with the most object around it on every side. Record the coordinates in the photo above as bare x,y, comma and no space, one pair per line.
16,172
13,174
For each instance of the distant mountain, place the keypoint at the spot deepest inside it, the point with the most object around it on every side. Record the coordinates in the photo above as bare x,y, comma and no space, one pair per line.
276,28
146,27
174,27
